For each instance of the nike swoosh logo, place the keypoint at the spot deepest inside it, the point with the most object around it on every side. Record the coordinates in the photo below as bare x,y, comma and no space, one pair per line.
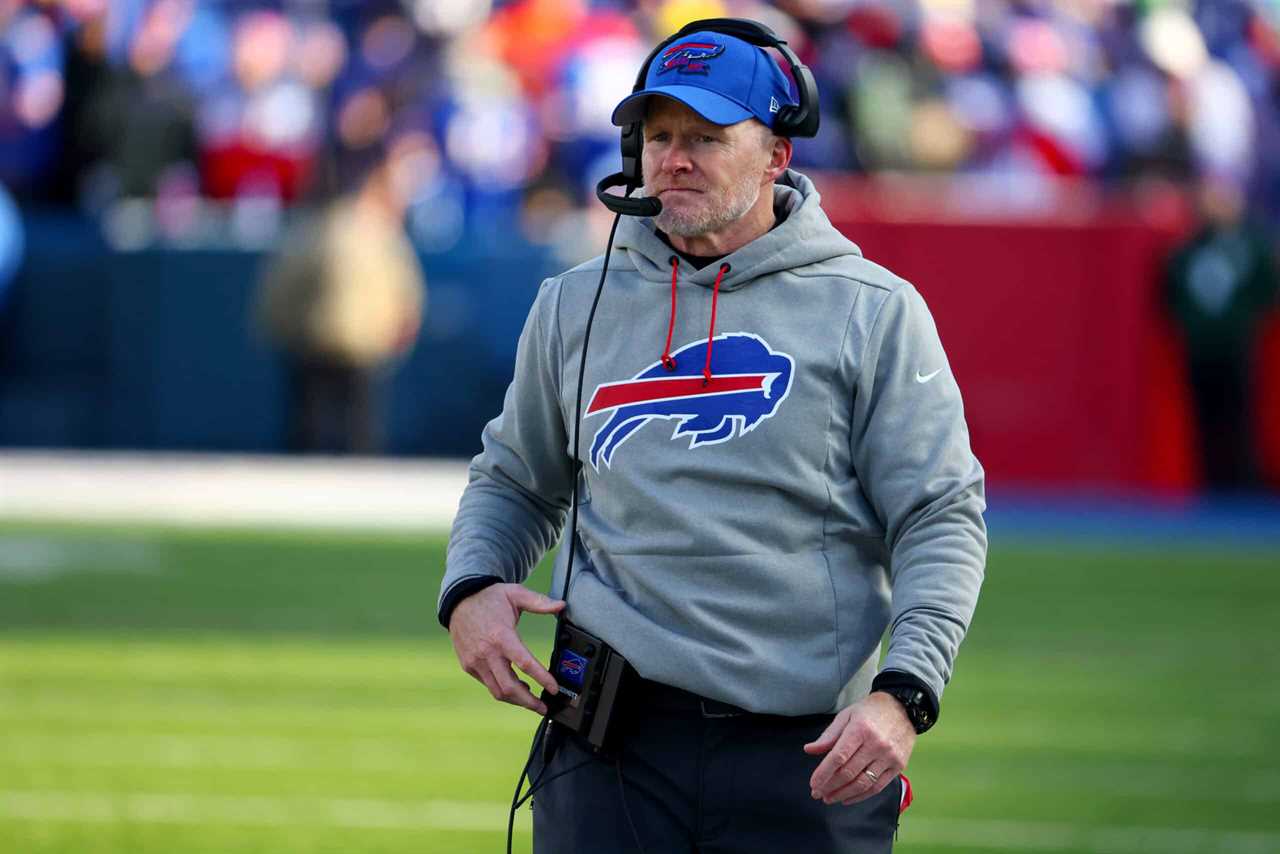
924,378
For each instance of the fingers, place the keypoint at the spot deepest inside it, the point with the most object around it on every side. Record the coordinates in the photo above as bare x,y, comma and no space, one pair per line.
527,600
503,685
520,656
824,742
855,744
864,785
824,779
487,645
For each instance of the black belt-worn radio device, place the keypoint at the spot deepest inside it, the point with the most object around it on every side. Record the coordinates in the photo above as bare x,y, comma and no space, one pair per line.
590,674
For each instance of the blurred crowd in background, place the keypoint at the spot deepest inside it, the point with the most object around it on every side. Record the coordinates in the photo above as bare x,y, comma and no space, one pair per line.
425,126
192,120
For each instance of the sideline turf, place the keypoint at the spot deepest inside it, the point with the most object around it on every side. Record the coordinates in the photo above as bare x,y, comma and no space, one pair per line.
232,691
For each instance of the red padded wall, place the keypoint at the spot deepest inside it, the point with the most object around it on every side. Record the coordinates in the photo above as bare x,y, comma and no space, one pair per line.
1055,330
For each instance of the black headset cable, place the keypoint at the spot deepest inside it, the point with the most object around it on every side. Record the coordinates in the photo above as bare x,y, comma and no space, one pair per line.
577,407
541,732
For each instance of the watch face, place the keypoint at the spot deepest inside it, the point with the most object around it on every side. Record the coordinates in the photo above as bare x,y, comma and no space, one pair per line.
913,701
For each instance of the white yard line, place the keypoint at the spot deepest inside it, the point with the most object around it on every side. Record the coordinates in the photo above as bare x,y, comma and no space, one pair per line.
208,489
1109,839
249,752
263,811
366,813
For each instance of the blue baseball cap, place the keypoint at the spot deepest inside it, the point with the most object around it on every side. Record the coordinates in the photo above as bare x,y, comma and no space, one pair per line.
719,77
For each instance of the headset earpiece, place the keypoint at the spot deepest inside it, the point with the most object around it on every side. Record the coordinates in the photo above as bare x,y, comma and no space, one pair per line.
801,119
632,151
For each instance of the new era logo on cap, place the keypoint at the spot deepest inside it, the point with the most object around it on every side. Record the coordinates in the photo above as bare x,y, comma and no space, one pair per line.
721,78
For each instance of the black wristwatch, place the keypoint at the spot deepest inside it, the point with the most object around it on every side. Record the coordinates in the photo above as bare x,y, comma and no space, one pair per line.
915,702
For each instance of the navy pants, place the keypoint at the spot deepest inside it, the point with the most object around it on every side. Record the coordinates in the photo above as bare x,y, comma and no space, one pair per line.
701,778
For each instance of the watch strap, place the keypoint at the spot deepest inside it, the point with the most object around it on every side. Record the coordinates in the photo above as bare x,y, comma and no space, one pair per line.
917,699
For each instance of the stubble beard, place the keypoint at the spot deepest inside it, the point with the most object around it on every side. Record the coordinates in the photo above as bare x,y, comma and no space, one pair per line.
712,214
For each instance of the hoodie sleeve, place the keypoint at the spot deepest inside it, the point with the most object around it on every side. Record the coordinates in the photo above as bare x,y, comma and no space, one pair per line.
520,484
910,448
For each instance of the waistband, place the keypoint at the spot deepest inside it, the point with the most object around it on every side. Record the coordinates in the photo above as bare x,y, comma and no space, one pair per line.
645,693
659,695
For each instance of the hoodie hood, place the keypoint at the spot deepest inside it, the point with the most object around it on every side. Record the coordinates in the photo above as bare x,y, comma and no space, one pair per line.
806,237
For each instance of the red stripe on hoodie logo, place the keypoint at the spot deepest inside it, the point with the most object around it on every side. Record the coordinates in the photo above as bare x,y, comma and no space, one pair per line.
613,395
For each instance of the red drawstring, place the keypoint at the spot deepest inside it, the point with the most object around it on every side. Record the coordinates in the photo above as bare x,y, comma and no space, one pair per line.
668,362
711,335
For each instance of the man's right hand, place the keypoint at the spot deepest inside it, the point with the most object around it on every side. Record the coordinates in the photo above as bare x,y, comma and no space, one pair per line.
483,629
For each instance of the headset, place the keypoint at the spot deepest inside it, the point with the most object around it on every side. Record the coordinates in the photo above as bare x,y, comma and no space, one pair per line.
793,120
585,705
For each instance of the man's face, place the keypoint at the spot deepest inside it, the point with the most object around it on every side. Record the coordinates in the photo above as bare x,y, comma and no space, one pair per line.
707,176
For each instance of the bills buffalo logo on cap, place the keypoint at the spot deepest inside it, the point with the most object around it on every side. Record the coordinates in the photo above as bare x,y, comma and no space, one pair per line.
689,57
749,382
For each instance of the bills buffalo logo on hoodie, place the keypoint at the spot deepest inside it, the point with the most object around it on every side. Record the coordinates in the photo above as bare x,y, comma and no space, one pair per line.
749,382
689,57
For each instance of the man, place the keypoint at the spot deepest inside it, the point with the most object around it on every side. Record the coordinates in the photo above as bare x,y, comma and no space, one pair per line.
344,300
818,489
1220,285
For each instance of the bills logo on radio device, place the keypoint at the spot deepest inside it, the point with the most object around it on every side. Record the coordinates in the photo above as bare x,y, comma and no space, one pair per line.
572,667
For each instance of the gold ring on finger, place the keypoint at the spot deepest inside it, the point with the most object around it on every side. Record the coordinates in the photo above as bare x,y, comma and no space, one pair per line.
873,775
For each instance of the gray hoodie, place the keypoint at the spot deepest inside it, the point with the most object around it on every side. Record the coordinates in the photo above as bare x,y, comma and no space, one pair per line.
749,538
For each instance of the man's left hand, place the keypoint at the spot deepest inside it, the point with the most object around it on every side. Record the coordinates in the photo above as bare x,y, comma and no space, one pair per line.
874,734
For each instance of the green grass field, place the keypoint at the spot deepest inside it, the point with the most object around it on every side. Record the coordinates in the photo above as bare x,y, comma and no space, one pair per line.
179,691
